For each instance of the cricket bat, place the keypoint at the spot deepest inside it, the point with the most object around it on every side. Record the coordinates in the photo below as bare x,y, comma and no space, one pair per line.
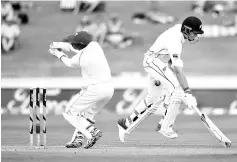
213,128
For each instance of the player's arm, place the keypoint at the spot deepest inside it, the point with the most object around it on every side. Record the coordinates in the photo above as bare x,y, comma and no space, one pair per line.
188,99
61,46
181,78
177,65
70,62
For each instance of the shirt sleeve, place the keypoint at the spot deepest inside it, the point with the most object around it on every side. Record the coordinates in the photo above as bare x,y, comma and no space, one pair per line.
175,50
75,60
154,48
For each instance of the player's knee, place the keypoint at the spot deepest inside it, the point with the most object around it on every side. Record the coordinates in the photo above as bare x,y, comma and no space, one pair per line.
67,109
90,114
142,106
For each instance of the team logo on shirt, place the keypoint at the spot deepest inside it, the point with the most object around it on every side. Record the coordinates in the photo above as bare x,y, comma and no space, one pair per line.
175,55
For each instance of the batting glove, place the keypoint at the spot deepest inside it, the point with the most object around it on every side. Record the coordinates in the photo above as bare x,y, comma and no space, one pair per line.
190,100
60,46
57,53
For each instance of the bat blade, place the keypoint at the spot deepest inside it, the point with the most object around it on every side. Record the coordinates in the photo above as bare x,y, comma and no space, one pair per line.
215,131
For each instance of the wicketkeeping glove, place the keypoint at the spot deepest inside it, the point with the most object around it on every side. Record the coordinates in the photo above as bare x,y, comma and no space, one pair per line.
55,45
190,100
57,53
60,46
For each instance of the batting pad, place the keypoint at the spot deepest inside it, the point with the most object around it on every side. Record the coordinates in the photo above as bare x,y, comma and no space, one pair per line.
145,114
173,109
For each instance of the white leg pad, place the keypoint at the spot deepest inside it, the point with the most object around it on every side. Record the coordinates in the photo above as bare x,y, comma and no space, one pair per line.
134,124
172,110
144,115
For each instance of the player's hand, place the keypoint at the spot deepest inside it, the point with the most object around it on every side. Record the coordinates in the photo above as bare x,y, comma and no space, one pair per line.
56,53
55,45
190,100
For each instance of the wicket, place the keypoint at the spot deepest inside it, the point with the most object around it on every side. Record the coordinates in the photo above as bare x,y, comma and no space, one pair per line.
36,108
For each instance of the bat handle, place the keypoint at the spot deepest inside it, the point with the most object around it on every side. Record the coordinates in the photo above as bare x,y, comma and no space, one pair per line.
197,110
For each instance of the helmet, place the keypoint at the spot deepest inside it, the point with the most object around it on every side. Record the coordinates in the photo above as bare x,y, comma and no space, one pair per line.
193,24
191,27
80,38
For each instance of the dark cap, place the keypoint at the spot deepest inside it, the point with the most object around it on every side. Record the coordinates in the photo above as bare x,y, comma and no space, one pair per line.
194,24
81,37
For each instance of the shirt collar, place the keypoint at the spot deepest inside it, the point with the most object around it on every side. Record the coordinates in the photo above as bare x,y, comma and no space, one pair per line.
182,37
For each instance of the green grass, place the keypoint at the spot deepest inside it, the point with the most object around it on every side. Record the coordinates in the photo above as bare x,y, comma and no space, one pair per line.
208,57
194,144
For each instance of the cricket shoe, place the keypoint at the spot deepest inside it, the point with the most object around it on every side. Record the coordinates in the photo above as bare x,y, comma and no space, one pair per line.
170,133
122,129
96,135
77,142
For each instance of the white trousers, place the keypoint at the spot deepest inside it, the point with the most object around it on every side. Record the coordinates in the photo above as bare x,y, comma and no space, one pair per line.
159,71
91,99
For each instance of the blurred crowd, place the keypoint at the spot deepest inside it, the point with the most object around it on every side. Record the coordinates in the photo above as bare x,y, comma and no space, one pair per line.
216,8
13,15
112,32
88,6
109,33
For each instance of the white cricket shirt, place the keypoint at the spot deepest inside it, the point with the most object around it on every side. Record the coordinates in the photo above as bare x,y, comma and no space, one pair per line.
168,46
93,64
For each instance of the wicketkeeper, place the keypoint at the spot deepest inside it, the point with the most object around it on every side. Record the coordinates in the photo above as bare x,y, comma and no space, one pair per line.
167,84
96,91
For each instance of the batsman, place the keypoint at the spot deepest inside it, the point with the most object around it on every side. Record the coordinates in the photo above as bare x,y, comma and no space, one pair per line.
167,85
